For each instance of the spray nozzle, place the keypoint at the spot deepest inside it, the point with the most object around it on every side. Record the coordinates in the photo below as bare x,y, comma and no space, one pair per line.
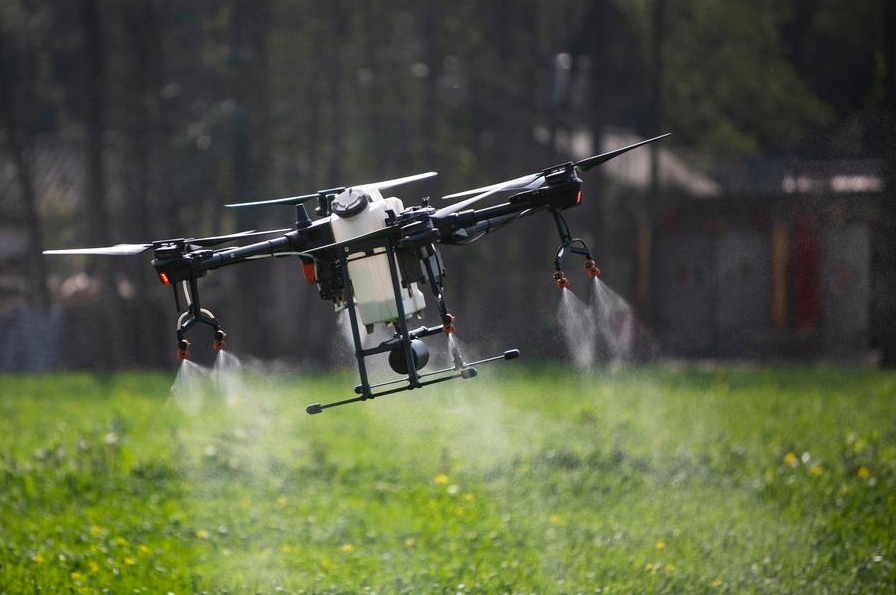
182,346
591,269
448,324
560,280
220,341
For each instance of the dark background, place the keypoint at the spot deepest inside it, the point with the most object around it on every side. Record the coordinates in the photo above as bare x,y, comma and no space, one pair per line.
133,120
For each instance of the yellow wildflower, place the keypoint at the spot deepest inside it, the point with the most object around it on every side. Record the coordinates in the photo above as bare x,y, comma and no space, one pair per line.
96,530
143,549
468,497
129,561
863,472
202,534
458,511
791,460
282,501
121,540
815,470
660,546
286,549
347,548
410,542
717,584
76,576
93,567
38,559
441,480
556,520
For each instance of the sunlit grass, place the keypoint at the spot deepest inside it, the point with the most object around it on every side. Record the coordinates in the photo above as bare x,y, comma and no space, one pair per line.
529,480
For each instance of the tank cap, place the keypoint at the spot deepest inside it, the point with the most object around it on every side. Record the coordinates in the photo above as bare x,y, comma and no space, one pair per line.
350,202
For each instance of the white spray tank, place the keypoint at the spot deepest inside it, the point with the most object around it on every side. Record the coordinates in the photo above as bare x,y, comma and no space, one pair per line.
358,211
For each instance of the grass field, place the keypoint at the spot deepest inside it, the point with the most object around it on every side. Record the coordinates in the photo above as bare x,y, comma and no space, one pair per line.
524,480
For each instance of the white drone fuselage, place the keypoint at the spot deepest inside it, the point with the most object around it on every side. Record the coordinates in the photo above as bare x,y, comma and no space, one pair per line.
369,271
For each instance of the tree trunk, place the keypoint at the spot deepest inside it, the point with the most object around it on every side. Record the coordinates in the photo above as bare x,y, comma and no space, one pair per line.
885,267
111,352
18,146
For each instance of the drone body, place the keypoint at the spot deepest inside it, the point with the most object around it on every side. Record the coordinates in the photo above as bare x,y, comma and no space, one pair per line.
375,258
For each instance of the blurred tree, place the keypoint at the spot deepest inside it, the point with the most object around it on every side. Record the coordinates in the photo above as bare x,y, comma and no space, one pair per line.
18,102
885,261
728,85
222,101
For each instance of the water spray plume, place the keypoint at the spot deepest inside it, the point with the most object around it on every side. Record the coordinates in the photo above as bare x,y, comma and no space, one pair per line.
578,326
456,351
190,386
227,374
620,333
345,329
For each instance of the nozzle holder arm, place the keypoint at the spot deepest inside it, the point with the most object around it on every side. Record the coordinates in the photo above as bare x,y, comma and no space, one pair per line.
571,245
196,314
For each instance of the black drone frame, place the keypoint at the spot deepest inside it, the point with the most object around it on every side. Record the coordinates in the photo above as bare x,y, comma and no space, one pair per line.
408,241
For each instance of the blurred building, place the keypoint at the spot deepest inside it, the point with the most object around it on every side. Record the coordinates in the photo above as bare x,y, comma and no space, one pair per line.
777,262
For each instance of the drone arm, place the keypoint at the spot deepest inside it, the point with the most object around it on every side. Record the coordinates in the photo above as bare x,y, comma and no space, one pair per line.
286,243
458,228
463,235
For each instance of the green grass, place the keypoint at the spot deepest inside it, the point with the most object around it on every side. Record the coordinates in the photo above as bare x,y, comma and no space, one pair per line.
524,480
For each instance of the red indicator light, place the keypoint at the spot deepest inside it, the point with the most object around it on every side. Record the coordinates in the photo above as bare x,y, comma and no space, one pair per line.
308,271
579,197
163,277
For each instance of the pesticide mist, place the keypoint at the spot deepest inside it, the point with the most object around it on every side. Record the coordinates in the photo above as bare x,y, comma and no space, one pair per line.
605,329
579,328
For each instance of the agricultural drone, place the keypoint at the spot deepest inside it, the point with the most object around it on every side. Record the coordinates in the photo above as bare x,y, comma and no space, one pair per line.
373,257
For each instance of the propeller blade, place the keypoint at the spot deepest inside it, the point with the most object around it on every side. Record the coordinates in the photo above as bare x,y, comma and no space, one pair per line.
297,200
290,200
589,162
117,250
523,183
385,185
216,240
133,249
460,206
520,183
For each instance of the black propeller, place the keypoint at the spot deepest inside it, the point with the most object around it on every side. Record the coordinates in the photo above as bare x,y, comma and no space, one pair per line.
133,249
589,162
533,181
